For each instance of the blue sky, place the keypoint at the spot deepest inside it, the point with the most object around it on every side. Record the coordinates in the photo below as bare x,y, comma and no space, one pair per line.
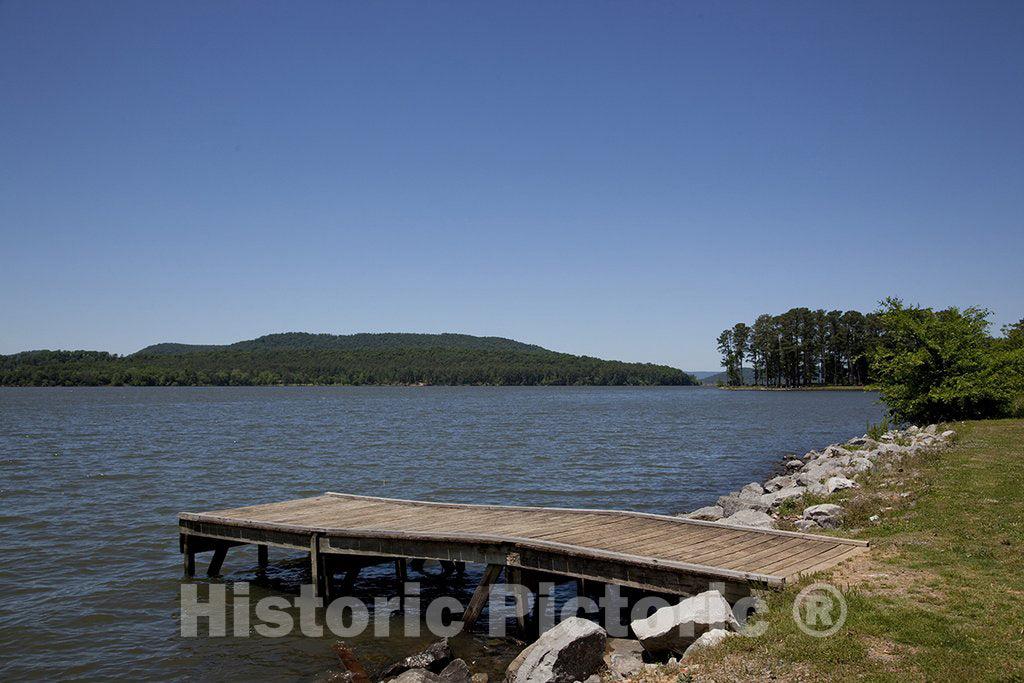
618,179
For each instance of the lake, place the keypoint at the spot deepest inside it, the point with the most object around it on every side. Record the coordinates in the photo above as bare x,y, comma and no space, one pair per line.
91,481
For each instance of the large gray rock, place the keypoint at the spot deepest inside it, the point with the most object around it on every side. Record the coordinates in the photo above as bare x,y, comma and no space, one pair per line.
806,524
836,452
774,500
708,513
457,672
817,471
571,651
674,628
839,484
948,435
862,464
826,515
793,465
751,518
751,490
418,676
623,657
434,658
733,503
780,482
709,639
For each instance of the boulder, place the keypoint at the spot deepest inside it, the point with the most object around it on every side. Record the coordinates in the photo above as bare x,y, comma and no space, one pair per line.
709,639
817,489
948,435
708,513
571,651
623,657
826,515
752,518
751,490
774,500
931,429
417,676
793,465
836,452
862,464
816,472
733,503
839,484
434,659
806,524
457,672
780,482
674,628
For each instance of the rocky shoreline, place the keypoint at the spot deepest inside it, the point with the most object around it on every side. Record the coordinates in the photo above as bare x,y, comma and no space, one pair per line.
817,475
580,651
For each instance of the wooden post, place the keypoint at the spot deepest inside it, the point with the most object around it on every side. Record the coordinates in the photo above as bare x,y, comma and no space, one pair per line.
218,559
316,568
261,555
479,599
188,557
514,578
400,578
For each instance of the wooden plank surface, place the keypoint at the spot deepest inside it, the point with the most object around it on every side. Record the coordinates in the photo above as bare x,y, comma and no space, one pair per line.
645,539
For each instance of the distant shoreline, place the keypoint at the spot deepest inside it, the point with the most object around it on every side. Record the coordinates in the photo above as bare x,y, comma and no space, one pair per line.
822,387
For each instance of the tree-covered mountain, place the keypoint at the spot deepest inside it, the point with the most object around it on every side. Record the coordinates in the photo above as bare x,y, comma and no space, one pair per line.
364,340
171,365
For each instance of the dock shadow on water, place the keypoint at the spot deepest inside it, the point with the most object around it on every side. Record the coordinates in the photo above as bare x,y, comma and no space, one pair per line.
93,479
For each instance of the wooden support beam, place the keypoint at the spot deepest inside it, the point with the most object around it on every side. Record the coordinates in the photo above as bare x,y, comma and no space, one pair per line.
401,575
218,559
514,583
262,555
188,556
316,566
480,595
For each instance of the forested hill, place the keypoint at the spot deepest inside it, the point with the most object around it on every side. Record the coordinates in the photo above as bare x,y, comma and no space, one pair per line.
385,340
324,366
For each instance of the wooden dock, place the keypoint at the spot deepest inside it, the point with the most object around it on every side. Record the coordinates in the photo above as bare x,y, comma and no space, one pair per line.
656,553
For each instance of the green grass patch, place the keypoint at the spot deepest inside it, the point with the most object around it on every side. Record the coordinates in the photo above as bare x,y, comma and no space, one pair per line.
940,597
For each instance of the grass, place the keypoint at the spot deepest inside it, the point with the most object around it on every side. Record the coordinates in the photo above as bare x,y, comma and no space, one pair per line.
940,597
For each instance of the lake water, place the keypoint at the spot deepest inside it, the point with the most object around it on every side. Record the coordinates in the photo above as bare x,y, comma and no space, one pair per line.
91,481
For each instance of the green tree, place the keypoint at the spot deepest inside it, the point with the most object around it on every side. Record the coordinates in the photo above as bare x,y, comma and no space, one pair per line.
938,365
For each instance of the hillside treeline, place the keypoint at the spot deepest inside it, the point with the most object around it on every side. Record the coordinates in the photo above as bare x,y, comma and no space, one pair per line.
227,367
306,341
801,347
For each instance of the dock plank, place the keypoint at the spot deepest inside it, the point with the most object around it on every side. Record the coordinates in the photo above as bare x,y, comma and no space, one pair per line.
596,544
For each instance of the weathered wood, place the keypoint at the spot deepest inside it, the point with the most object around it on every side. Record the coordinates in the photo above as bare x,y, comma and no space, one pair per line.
401,576
316,567
480,595
218,559
648,552
188,555
262,555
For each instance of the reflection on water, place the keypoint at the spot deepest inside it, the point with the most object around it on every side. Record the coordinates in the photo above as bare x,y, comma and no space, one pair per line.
91,481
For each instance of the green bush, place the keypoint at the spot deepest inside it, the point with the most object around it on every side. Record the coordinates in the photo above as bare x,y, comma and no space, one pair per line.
934,366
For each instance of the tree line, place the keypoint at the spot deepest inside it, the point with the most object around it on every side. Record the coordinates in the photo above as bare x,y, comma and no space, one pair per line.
801,347
227,367
929,365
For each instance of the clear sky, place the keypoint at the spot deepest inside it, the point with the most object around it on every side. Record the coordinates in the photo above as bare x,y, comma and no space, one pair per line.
618,179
